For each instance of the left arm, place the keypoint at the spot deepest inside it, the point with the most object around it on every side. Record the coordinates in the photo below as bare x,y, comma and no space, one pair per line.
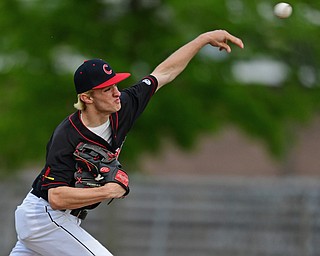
169,69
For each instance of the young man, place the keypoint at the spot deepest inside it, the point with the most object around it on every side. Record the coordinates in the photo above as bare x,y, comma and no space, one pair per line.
48,220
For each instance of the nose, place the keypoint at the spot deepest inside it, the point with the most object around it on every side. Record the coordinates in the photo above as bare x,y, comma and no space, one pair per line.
116,91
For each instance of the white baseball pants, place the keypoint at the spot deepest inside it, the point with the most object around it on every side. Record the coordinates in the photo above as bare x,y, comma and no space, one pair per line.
43,231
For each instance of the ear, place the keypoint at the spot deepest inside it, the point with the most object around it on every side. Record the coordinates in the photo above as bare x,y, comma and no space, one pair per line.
86,98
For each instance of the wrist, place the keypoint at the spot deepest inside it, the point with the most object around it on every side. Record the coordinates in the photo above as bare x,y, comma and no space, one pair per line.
203,39
113,190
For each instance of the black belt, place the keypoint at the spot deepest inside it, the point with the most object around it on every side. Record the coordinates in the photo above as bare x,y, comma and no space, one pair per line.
79,213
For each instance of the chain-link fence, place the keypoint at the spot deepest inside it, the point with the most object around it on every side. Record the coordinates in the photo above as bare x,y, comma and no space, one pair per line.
200,216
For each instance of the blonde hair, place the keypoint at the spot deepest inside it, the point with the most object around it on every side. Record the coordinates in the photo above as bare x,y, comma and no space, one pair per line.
80,105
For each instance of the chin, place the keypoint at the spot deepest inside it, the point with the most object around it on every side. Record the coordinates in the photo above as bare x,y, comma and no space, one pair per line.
118,108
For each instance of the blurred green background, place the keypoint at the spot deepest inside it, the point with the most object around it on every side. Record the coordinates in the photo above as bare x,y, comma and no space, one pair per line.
267,90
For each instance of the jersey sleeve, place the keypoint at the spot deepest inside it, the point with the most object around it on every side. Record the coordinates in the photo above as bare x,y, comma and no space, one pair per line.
135,98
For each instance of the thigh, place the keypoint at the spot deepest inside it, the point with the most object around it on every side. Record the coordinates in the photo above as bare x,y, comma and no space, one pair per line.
52,232
21,250
64,236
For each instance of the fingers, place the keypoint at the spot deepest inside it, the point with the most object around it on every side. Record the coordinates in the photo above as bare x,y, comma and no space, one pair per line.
225,46
222,38
235,40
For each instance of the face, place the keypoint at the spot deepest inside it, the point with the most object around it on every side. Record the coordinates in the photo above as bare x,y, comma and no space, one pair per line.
106,100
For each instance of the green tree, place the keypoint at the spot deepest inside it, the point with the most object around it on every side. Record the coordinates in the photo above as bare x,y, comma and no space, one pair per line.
44,41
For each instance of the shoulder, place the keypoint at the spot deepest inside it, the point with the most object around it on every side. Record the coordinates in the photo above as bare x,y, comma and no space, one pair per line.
146,87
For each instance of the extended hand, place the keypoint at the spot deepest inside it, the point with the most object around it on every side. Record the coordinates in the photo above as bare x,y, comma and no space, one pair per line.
170,68
220,38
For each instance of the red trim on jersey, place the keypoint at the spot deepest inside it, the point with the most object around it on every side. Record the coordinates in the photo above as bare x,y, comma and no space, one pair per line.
154,82
46,174
55,183
153,79
116,125
75,127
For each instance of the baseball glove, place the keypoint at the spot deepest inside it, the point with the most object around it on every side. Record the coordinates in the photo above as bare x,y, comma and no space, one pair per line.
96,166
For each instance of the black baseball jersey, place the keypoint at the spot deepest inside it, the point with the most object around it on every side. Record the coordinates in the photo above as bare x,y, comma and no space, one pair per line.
60,165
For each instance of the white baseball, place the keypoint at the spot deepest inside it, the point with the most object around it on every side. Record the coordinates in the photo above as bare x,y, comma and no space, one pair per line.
282,10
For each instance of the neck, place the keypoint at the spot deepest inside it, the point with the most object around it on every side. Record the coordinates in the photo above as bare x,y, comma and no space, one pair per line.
91,120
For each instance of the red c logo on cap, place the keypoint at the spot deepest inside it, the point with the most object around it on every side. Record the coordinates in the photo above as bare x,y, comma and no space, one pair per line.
108,72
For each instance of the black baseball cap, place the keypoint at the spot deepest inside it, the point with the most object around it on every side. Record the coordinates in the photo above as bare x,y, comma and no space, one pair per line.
96,74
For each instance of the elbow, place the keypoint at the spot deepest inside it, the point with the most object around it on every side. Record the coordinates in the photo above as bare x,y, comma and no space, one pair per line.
164,78
54,199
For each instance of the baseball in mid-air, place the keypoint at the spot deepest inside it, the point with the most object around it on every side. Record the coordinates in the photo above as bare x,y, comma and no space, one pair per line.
282,10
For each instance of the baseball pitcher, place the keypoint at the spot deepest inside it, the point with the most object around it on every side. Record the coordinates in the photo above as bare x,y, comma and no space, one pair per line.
81,167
